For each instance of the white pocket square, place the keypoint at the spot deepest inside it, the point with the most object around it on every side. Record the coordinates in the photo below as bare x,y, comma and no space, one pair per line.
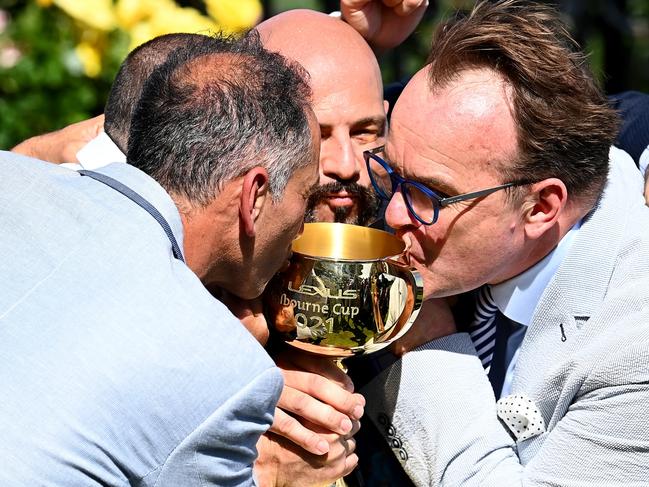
521,416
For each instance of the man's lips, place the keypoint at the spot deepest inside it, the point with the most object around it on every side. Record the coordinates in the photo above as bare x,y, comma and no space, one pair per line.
340,199
405,256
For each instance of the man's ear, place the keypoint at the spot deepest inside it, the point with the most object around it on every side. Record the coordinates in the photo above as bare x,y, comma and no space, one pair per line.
254,193
543,206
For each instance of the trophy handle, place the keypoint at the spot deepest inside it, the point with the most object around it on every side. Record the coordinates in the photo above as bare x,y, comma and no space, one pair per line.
414,299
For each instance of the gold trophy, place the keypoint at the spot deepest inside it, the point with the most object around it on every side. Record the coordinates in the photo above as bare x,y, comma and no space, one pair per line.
344,292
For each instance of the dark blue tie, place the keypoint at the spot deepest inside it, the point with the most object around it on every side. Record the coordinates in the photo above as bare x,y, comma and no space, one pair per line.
508,338
483,328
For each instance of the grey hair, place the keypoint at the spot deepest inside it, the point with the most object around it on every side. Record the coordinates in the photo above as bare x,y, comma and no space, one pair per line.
213,112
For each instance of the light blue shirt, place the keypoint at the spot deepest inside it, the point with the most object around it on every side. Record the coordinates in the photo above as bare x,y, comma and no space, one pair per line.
116,365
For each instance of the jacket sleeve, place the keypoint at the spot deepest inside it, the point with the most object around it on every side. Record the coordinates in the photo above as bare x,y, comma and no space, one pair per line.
437,405
221,451
437,410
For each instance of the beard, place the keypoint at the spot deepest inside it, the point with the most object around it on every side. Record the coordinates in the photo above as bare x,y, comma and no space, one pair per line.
364,212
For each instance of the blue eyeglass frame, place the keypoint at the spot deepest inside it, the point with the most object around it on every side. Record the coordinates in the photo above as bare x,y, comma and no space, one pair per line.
438,201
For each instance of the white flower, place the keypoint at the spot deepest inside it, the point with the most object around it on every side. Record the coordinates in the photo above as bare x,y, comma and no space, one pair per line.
9,56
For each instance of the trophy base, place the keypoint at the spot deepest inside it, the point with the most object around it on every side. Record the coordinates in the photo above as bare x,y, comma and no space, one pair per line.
335,352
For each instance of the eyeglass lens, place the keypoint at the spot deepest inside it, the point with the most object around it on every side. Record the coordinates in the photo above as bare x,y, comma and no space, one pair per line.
380,178
419,202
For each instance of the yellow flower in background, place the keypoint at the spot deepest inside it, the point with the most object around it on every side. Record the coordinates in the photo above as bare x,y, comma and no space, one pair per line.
179,19
145,19
99,14
234,15
90,59
139,34
171,19
131,12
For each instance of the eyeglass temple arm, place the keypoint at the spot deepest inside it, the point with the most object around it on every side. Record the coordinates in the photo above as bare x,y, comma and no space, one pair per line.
376,150
476,194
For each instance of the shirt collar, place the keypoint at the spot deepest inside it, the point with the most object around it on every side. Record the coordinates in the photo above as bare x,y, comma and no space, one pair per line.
517,297
98,152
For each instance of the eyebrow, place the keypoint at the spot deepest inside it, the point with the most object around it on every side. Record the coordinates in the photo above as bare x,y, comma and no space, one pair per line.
429,181
378,120
437,185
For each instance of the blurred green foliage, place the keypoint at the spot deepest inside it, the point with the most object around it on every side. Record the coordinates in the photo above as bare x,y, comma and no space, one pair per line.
46,89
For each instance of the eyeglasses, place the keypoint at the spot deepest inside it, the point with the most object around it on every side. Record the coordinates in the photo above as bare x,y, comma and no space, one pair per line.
422,202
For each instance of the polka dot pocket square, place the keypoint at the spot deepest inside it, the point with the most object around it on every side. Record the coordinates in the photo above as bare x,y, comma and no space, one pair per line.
521,416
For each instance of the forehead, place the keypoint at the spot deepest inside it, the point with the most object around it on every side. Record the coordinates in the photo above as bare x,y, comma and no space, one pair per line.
344,92
465,128
315,136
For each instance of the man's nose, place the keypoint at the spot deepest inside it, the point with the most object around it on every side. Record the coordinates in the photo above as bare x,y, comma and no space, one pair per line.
397,215
338,161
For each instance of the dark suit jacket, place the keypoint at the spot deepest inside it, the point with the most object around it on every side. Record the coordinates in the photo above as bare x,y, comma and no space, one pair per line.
634,133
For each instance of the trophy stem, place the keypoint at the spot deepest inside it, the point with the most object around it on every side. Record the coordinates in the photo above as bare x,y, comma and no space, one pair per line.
340,364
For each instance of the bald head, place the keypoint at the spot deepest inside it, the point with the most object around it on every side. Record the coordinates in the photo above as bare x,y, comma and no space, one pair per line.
324,45
347,100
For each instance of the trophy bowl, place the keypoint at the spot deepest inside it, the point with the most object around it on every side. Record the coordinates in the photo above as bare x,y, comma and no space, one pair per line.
344,293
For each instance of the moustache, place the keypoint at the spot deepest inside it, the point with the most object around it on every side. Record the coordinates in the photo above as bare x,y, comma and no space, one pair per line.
367,202
353,189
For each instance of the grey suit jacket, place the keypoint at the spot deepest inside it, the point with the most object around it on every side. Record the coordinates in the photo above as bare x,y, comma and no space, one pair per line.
437,409
116,366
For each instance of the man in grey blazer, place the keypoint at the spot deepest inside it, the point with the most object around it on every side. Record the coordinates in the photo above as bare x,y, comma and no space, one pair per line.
117,366
500,178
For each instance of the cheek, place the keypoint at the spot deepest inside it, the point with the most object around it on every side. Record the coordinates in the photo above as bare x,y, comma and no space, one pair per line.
431,240
474,254
296,219
363,176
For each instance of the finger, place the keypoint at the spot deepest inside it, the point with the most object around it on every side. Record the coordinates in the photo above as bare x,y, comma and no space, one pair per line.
350,464
391,3
354,4
316,365
341,459
290,428
307,407
98,124
325,391
356,425
407,7
350,445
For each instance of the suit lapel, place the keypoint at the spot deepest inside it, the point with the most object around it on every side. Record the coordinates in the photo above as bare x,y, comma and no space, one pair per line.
561,319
